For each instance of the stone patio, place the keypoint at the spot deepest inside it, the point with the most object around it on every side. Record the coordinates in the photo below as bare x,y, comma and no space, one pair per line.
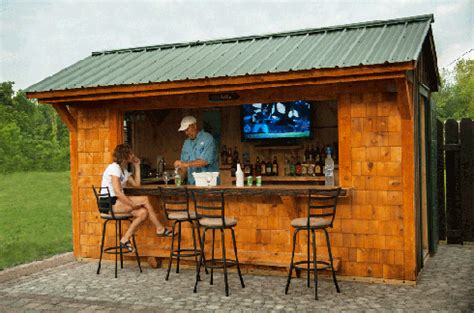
446,284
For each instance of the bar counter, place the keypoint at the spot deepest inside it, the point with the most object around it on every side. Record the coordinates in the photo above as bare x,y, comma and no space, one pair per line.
263,231
265,190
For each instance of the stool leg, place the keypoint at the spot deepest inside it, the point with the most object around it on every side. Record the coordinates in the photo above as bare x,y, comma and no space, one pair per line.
198,229
212,255
102,245
120,236
237,259
179,246
291,264
225,263
194,242
136,253
116,245
308,260
198,264
315,264
170,260
330,259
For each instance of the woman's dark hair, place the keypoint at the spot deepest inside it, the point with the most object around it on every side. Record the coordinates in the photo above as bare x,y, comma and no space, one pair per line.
121,153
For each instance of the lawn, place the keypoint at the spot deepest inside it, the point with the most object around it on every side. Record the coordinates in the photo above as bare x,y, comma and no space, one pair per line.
35,216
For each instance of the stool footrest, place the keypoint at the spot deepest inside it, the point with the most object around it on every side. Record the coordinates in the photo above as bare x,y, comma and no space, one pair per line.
116,250
219,263
311,267
180,253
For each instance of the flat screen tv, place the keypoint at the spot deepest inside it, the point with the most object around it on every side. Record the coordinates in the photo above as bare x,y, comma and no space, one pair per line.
276,121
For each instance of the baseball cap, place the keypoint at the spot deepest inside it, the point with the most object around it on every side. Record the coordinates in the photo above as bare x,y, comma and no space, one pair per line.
186,121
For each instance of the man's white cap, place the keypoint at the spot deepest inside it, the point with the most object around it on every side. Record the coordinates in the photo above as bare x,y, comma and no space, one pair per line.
186,122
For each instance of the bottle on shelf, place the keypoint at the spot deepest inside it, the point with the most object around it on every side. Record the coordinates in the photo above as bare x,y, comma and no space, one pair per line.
263,167
312,152
275,166
306,155
287,167
258,168
268,167
236,154
292,166
318,168
233,167
239,176
224,155
328,168
229,156
298,166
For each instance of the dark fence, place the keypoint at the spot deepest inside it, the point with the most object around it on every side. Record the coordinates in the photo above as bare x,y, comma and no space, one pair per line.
456,220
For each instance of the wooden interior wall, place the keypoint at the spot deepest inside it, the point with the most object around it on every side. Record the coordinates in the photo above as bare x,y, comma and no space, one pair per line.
155,133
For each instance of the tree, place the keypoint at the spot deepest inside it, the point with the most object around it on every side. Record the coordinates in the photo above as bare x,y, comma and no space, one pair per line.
32,136
455,99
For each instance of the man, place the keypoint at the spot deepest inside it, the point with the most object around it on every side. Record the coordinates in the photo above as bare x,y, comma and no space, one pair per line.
199,152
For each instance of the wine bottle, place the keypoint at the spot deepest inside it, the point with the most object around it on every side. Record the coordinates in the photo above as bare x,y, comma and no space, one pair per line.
275,166
258,168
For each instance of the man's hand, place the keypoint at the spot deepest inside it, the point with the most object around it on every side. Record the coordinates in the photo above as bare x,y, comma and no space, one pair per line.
179,164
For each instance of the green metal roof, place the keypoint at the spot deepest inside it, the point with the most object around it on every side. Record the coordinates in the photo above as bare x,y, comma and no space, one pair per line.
369,43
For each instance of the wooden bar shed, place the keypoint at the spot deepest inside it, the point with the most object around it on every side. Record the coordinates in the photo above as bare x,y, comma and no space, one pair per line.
369,82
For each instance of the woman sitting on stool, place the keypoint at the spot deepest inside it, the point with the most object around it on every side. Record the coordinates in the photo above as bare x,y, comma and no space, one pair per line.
116,177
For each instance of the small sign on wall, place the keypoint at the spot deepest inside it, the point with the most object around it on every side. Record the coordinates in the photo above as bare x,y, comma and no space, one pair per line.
227,96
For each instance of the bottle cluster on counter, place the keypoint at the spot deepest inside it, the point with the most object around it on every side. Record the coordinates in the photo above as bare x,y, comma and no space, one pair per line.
310,163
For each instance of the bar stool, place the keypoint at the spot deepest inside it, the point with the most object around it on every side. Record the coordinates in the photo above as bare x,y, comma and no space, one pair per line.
209,205
104,204
176,206
320,216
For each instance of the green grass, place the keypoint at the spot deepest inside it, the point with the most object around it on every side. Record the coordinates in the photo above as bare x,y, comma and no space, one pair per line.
35,216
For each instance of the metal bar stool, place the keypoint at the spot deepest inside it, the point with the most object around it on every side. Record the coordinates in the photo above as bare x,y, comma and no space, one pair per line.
321,214
104,204
209,205
176,206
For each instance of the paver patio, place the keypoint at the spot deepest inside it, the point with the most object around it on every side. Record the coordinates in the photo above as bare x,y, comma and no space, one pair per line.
446,284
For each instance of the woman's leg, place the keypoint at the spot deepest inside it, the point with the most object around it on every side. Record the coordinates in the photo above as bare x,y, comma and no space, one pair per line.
140,215
143,200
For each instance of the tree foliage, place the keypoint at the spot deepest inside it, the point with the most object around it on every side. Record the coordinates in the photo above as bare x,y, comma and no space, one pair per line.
455,99
32,136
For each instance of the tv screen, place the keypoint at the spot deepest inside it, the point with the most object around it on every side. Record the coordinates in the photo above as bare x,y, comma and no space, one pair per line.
276,120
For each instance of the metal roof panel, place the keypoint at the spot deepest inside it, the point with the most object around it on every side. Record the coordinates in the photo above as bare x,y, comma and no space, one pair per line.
369,43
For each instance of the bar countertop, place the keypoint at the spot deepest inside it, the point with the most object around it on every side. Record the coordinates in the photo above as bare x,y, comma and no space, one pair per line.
266,190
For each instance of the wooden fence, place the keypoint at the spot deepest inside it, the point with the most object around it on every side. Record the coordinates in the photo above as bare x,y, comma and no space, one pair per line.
456,212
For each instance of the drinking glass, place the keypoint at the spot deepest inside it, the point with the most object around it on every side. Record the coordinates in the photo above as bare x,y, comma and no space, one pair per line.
166,178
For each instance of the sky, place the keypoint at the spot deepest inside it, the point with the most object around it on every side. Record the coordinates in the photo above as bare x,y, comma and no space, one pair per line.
39,38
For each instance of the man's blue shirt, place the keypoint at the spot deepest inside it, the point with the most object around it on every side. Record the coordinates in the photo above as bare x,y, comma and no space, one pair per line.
203,147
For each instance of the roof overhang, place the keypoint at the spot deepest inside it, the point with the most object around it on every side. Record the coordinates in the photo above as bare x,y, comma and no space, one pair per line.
271,80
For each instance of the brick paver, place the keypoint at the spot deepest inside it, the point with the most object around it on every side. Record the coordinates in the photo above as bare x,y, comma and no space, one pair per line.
446,284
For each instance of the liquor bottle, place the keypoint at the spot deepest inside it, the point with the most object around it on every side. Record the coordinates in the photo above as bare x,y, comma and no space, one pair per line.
318,165
269,168
275,166
287,167
239,176
236,154
258,169
306,154
263,167
316,154
312,152
229,156
328,168
292,166
224,155
233,167
247,169
298,166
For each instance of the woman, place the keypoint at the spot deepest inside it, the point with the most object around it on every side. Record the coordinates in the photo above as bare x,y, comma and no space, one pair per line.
116,177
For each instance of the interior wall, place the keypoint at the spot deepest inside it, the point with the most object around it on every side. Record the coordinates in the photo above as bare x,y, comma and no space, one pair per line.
155,132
